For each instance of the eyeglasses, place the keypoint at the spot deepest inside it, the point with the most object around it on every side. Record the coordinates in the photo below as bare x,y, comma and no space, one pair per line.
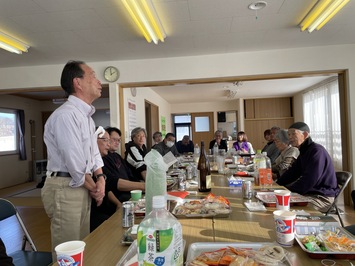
106,140
116,140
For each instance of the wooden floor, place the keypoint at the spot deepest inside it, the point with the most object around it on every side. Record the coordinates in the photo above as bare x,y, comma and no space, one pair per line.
37,222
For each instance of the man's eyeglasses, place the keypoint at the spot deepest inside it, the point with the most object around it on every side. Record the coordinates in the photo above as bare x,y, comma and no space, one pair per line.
106,140
115,140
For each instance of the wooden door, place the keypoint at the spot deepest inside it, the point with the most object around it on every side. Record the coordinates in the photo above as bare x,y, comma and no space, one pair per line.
151,120
202,128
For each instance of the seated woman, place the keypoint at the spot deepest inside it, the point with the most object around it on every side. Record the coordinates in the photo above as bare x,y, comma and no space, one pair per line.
135,153
222,144
242,145
288,154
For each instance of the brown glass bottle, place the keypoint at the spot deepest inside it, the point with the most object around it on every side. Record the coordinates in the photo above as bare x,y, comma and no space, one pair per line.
204,171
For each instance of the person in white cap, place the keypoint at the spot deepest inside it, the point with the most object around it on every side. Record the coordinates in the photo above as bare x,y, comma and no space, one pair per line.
312,174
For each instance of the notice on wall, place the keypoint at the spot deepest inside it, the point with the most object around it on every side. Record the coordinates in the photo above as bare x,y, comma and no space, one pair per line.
132,115
163,125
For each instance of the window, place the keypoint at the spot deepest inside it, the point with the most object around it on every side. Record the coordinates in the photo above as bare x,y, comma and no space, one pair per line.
322,113
182,125
8,131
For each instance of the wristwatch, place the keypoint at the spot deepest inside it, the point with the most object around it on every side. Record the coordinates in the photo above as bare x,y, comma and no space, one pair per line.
103,175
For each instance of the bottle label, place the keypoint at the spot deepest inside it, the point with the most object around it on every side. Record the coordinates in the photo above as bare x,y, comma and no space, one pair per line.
265,176
160,247
208,181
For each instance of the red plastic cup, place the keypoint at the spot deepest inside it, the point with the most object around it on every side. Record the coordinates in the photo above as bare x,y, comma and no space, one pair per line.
283,199
70,253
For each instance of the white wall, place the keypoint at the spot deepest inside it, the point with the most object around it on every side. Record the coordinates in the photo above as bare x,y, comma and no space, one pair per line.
146,94
211,66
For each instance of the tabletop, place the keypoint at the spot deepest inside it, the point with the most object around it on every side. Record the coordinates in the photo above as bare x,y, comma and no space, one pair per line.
103,246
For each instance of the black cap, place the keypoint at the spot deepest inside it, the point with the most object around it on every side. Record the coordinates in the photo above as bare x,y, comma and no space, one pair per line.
300,126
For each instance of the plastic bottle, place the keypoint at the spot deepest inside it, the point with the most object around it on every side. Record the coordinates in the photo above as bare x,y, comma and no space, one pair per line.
196,153
159,237
257,159
265,172
204,171
215,149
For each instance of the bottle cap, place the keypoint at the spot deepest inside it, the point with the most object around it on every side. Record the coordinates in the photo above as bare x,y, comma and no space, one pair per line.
159,202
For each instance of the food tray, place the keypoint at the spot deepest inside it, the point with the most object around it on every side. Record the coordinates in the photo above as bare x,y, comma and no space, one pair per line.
302,231
195,249
204,215
269,199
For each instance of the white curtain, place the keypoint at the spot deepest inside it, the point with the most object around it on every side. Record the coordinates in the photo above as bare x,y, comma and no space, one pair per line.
322,114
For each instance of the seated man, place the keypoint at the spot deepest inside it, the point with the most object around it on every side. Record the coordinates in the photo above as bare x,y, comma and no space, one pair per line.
168,144
185,145
157,137
222,143
312,174
270,148
117,184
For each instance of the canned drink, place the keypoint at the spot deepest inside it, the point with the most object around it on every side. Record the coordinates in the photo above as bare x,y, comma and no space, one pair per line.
128,214
246,189
181,182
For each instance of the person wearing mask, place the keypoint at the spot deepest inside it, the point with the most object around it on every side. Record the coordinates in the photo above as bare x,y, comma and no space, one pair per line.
74,173
168,144
185,145
270,148
218,137
157,137
118,186
312,174
288,154
242,145
135,153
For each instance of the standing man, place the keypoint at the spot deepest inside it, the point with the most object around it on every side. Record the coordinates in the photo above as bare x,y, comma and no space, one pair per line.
74,161
312,174
168,144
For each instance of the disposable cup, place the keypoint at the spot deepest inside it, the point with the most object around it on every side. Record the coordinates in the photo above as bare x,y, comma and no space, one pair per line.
136,194
70,253
283,199
285,227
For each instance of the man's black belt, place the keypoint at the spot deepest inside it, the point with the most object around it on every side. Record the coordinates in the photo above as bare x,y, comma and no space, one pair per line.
62,174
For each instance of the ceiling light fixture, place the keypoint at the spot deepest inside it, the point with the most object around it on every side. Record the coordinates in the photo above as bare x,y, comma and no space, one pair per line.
144,15
11,44
321,13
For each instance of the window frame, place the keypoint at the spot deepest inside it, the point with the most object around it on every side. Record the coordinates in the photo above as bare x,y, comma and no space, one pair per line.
17,144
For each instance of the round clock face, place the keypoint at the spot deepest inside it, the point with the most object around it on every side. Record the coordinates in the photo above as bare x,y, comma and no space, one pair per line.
111,74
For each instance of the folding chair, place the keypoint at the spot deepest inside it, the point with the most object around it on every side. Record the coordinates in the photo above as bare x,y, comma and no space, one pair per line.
24,257
343,179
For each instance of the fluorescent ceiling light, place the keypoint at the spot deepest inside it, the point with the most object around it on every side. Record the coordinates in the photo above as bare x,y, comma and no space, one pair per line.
144,15
321,13
11,44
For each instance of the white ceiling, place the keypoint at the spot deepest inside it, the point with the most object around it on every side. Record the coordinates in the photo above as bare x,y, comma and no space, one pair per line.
99,30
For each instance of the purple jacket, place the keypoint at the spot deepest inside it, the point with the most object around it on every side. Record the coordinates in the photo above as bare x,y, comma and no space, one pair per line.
244,145
312,173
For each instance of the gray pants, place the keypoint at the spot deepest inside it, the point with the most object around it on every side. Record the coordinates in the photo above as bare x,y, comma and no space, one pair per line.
68,210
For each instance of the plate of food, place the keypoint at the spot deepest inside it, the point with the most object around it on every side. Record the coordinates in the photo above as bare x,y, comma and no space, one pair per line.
225,253
326,241
210,206
269,199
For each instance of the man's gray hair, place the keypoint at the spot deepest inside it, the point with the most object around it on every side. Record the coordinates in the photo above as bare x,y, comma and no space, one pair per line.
137,130
282,135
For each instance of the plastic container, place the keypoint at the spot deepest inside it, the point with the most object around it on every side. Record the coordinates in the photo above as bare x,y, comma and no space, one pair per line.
265,172
161,233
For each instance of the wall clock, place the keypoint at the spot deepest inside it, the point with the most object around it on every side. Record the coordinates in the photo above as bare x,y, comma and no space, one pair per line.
111,74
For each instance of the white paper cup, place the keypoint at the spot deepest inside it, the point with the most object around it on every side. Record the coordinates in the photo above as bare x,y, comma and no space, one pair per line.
285,227
136,194
70,253
283,198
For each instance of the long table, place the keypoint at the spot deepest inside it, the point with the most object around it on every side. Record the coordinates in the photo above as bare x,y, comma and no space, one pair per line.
103,246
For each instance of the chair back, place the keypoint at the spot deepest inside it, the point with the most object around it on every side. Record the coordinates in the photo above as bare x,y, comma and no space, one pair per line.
7,209
343,178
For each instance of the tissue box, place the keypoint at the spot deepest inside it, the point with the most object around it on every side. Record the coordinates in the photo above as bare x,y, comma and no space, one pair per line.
235,182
